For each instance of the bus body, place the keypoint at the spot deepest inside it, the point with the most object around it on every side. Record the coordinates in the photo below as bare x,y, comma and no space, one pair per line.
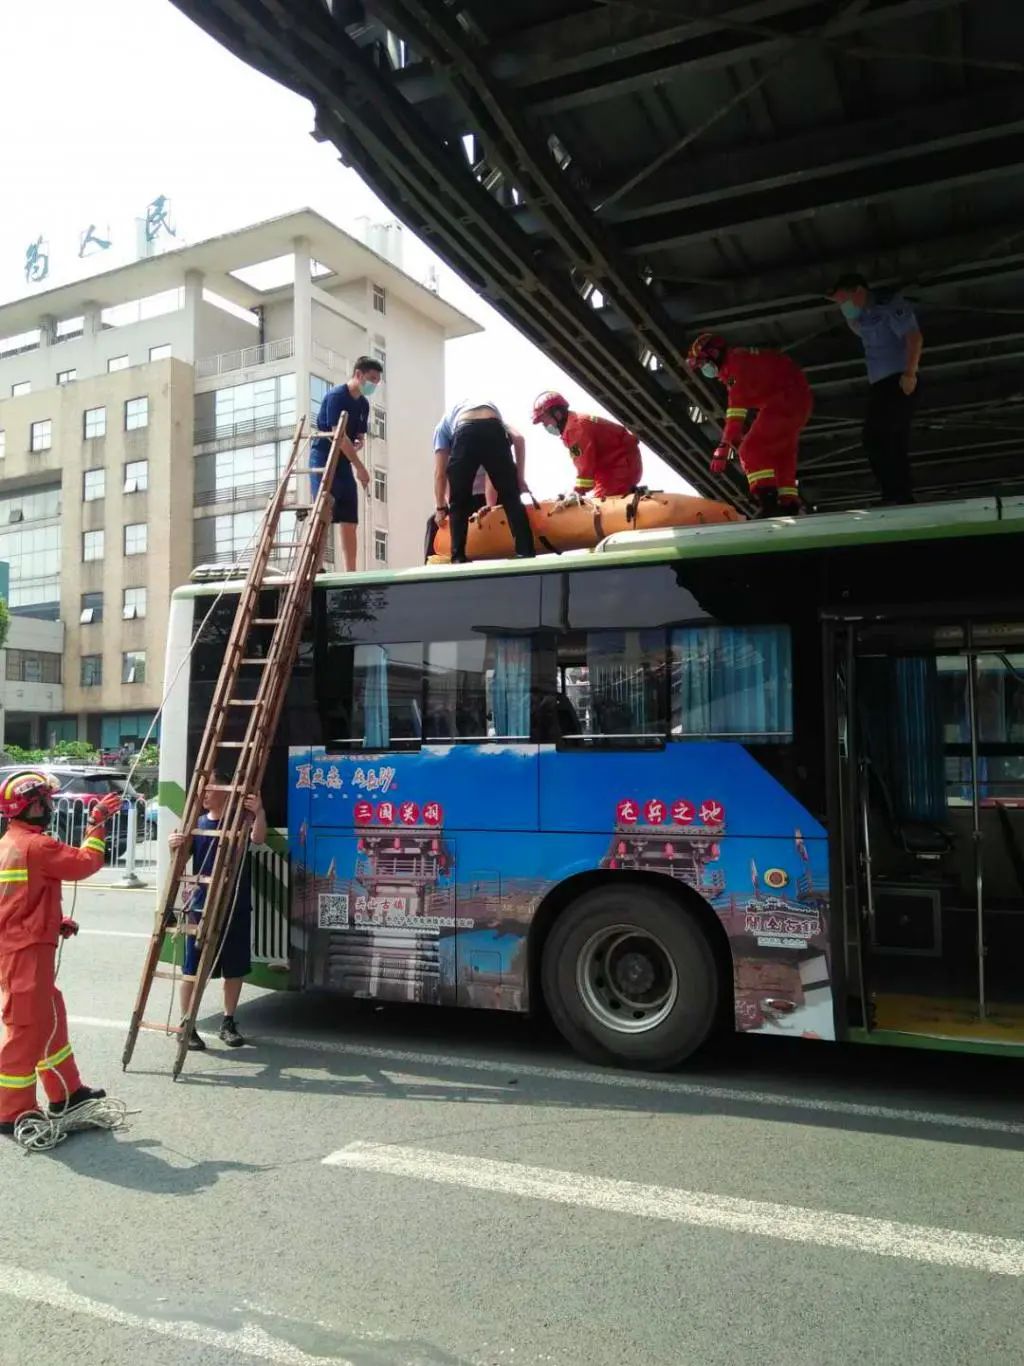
769,773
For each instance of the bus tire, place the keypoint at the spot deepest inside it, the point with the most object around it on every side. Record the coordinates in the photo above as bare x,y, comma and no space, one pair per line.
630,977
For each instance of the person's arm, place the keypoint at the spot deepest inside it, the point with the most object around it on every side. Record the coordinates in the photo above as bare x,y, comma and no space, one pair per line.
519,452
54,859
584,457
258,833
915,345
440,483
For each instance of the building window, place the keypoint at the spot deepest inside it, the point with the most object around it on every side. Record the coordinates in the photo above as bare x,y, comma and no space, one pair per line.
92,609
380,547
42,435
92,545
136,536
380,485
33,666
30,542
133,666
19,390
95,423
66,376
231,537
117,363
3,443
380,354
94,485
259,406
317,390
136,414
244,472
91,675
134,604
136,476
162,352
379,423
380,299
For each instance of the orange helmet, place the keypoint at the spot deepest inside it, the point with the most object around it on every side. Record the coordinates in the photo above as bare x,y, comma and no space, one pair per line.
19,791
546,403
706,349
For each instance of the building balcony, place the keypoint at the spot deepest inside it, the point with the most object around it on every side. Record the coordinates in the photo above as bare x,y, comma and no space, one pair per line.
245,358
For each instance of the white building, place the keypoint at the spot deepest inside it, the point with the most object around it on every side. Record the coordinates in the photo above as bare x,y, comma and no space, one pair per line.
145,414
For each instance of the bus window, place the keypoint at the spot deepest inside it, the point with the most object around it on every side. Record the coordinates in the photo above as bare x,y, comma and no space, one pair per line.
612,686
732,683
370,697
478,690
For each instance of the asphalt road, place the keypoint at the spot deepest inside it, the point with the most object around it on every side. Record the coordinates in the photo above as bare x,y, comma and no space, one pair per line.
443,1189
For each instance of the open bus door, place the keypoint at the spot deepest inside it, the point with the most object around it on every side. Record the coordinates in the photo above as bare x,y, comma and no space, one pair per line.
929,795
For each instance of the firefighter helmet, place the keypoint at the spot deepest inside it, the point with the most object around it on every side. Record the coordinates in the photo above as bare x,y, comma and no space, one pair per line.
19,791
707,348
546,403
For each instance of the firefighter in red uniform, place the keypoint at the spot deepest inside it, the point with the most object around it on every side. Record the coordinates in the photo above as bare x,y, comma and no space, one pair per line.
778,389
606,456
32,866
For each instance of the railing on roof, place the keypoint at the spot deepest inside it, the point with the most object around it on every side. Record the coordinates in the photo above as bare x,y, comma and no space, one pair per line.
245,358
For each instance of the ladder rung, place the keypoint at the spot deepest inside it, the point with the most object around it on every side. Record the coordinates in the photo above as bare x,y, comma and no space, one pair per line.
161,1026
242,702
165,976
256,659
264,621
233,744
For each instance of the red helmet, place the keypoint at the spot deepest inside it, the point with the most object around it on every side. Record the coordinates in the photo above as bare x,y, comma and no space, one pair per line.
547,403
708,348
19,791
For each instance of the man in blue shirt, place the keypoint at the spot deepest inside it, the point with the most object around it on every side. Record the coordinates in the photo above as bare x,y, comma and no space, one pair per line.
892,341
351,398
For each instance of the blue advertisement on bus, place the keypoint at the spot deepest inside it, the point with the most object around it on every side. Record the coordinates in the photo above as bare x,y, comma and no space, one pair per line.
417,875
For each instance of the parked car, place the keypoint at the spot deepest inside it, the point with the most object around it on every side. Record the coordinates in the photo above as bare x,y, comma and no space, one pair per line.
79,785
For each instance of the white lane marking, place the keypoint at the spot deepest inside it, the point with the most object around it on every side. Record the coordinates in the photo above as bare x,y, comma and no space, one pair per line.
791,1223
119,934
622,1081
249,1340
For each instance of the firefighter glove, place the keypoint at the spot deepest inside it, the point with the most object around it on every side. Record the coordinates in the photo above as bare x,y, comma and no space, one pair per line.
68,927
720,459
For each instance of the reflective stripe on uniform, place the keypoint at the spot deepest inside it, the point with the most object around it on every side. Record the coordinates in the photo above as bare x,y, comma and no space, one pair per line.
93,843
736,412
584,483
13,875
55,1059
760,474
9,1083
787,489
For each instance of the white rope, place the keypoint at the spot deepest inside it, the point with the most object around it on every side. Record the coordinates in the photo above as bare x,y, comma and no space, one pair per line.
40,1133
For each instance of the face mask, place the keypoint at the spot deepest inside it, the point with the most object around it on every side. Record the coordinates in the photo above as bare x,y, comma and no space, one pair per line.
552,429
709,370
850,310
369,387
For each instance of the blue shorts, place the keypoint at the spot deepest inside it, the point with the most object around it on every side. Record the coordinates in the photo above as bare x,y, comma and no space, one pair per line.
344,488
235,957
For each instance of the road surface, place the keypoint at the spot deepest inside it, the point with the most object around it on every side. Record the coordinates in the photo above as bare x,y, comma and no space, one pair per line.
419,1188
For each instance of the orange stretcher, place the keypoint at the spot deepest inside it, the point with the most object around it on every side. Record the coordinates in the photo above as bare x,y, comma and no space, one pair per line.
564,524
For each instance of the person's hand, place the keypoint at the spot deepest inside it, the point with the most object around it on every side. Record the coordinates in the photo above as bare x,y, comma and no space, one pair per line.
176,839
359,442
720,458
252,804
106,807
68,927
363,475
908,382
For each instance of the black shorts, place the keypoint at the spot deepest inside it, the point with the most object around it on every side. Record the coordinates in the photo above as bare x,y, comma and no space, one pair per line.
235,957
344,489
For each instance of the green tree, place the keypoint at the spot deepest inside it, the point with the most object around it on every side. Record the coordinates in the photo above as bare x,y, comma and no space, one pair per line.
5,622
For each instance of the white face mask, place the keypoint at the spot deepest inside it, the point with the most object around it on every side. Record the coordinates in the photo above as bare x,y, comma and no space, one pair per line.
368,387
709,370
552,428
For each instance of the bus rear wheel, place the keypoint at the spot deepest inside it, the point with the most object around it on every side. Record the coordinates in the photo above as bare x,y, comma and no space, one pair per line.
630,977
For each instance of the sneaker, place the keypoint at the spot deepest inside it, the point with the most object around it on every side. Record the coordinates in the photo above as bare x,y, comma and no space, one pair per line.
76,1098
195,1043
8,1126
229,1033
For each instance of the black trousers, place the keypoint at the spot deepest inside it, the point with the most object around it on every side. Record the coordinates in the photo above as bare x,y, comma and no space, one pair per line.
886,438
484,443
476,502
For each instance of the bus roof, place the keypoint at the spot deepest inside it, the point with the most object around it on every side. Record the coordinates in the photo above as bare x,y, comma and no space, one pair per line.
921,521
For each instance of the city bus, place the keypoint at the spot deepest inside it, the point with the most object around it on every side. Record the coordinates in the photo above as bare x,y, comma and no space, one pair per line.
765,776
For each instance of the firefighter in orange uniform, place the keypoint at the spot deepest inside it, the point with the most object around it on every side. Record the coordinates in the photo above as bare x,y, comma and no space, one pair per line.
776,386
606,456
32,867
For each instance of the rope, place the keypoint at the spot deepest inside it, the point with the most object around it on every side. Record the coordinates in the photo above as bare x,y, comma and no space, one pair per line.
39,1133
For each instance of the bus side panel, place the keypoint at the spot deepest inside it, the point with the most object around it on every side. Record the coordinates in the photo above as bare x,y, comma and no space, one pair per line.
377,842
708,814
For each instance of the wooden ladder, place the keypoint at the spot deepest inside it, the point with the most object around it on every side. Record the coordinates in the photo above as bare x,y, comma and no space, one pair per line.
273,660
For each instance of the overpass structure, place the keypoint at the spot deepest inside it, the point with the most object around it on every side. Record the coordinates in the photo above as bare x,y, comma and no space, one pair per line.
616,175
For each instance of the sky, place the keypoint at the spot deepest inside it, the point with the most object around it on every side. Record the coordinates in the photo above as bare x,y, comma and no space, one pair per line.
107,104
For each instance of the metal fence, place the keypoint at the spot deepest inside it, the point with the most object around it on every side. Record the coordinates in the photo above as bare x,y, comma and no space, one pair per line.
245,358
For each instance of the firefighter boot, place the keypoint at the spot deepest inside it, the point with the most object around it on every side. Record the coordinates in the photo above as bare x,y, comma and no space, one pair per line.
768,497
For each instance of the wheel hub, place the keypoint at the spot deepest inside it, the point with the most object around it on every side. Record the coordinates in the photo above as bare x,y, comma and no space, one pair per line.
627,979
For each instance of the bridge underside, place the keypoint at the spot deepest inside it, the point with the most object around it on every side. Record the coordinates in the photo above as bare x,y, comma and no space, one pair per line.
616,175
